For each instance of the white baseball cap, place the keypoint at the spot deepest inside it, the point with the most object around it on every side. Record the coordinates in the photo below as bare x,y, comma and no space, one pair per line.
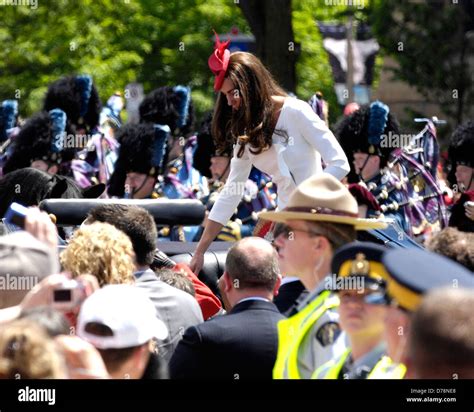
127,311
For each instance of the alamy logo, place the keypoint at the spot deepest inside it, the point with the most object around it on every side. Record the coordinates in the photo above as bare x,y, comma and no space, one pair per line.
395,140
8,282
73,141
28,3
236,189
335,283
355,3
37,395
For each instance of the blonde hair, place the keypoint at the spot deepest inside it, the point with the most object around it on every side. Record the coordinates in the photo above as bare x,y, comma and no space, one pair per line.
27,352
101,250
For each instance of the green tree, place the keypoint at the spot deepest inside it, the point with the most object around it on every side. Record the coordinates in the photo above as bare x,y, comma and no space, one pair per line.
431,41
117,42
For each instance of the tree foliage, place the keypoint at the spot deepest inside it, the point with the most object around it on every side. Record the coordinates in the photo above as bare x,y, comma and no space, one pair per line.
117,42
429,41
149,41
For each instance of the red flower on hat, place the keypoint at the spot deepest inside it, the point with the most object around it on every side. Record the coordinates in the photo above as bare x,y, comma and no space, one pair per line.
218,61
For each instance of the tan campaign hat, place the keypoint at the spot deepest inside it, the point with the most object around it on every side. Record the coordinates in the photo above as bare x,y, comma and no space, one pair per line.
323,198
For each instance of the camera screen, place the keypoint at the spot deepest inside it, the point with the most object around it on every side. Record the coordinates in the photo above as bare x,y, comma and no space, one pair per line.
18,220
62,295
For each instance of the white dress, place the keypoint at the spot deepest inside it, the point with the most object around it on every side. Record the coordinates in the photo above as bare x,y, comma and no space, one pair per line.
289,161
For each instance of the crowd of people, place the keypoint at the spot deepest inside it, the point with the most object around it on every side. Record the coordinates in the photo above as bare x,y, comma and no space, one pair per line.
303,294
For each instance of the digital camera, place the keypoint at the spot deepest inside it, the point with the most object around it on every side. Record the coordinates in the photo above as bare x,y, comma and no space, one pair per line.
16,214
68,295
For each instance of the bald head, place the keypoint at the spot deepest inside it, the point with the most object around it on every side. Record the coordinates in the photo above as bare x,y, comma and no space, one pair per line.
442,341
254,263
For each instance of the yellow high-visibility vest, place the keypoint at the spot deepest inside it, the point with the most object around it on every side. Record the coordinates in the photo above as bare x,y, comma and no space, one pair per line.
386,369
331,369
383,369
292,331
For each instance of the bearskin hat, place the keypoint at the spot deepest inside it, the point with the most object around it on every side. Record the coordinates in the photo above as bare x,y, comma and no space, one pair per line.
364,129
142,150
41,138
461,149
171,106
78,97
37,185
206,148
461,146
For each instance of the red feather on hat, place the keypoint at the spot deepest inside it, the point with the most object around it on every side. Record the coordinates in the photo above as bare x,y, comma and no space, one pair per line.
219,61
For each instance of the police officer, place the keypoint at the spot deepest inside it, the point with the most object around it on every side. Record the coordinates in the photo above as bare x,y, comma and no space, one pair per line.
358,277
321,216
412,273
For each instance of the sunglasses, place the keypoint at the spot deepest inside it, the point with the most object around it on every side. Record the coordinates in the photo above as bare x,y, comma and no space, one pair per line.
282,229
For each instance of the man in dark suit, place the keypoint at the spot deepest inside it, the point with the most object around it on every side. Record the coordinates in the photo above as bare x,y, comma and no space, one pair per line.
242,344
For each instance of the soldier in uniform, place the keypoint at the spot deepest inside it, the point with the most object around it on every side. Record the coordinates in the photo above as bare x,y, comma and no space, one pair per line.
363,136
110,121
411,274
461,153
358,277
167,110
320,217
173,107
140,160
40,144
94,151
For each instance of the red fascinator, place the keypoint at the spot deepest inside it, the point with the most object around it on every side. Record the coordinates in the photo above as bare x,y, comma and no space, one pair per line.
218,62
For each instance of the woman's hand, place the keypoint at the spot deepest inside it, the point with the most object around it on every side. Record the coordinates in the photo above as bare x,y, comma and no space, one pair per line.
197,262
211,230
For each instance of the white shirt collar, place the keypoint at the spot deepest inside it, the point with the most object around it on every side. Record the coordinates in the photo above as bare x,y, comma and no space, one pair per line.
252,298
288,279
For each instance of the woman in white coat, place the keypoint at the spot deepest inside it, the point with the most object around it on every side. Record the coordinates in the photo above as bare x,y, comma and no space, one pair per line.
278,134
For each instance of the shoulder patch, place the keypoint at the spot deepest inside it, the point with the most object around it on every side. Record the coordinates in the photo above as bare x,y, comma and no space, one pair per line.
328,333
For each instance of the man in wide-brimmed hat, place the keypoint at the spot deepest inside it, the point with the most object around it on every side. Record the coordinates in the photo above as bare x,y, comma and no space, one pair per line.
320,217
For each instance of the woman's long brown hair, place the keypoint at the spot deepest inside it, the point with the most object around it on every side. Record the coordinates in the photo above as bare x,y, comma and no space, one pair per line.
254,121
